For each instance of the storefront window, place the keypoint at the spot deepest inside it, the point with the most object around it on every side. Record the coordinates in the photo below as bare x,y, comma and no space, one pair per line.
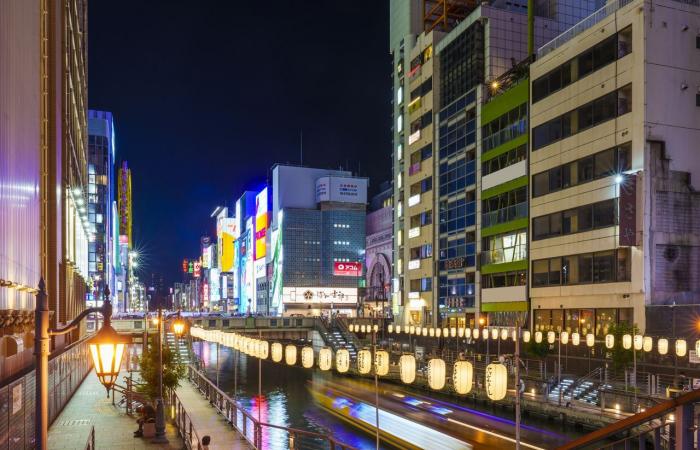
604,318
572,320
557,320
586,321
542,319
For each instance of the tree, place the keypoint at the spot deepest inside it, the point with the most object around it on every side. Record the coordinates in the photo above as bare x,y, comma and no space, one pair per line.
173,371
621,358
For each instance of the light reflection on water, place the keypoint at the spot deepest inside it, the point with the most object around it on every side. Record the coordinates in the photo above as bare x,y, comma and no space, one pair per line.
286,400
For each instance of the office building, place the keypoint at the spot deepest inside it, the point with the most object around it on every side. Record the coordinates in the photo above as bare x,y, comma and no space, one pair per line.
615,122
101,251
447,56
317,240
378,255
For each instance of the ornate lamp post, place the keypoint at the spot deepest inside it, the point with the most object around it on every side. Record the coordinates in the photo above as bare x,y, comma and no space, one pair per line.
106,348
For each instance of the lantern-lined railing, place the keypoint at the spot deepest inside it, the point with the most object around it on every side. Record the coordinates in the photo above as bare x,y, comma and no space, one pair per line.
461,372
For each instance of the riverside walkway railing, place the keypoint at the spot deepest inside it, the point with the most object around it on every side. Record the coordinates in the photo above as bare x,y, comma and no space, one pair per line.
248,426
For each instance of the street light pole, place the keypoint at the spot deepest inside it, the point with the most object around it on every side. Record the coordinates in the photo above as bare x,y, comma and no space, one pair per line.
106,363
517,385
376,386
160,409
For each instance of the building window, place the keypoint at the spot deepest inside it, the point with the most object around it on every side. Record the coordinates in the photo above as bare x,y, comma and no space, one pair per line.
457,132
603,164
505,207
504,279
458,174
422,219
422,186
593,113
601,267
504,160
462,64
504,248
455,215
422,252
422,285
589,61
584,218
504,128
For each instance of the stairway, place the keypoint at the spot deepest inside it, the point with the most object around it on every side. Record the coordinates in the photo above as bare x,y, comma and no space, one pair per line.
179,347
564,388
336,339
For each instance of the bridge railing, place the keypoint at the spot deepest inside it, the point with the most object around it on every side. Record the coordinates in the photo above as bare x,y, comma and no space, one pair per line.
249,427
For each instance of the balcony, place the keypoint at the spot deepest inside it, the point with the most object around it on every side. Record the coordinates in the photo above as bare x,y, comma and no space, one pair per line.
415,199
499,256
414,168
413,137
503,215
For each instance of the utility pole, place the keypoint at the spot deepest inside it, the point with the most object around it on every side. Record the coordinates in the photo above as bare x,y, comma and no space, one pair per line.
517,385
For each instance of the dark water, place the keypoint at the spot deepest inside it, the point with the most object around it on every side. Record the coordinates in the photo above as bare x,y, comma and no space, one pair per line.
287,401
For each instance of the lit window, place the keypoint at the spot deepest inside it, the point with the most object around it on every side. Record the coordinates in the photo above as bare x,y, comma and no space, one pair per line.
399,124
399,237
399,95
399,152
399,209
399,179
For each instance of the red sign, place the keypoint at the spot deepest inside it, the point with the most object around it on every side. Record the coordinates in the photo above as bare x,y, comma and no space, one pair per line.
197,269
347,269
185,265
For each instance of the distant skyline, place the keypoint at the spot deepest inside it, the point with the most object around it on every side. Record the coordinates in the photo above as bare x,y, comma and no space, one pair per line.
207,97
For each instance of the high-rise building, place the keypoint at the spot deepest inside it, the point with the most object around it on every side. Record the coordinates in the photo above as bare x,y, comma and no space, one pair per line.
101,250
448,58
124,203
317,240
378,255
43,146
615,122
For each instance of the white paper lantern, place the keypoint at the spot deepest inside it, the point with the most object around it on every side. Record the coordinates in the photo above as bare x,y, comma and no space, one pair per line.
638,342
398,329
697,347
412,330
475,334
431,332
526,336
504,334
445,332
494,333
436,374
453,332
590,340
363,328
496,380
575,338
564,337
681,347
514,335
290,354
325,359
609,340
425,331
551,337
467,332
351,328
390,328
263,349
307,357
276,351
364,361
627,341
342,360
418,331
538,336
663,346
463,377
381,362
375,328
438,332
407,368
647,344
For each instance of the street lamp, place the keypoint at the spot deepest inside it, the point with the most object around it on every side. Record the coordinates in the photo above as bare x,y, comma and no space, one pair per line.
106,348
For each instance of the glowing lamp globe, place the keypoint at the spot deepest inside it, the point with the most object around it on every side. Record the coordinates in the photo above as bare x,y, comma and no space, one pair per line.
436,374
381,362
538,336
398,329
107,349
460,332
463,377
638,341
697,347
325,358
364,361
609,340
412,330
431,332
551,337
590,339
647,344
476,333
504,334
419,331
263,349
564,337
494,333
438,332
342,360
407,368
496,381
681,347
290,354
453,332
627,341
526,336
468,333
390,328
575,338
179,327
307,357
425,331
445,332
663,346
276,350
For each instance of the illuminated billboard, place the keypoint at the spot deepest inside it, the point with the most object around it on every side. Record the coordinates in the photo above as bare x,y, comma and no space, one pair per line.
277,264
261,223
319,295
347,269
227,232
341,189
206,257
197,269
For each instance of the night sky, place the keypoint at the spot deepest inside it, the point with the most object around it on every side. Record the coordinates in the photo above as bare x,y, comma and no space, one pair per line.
208,95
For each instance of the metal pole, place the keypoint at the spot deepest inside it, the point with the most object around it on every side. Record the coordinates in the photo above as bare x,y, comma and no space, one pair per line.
376,388
634,386
260,391
559,368
517,385
160,408
217,363
41,353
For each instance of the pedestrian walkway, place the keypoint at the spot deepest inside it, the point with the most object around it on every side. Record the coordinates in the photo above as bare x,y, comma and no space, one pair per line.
89,407
207,422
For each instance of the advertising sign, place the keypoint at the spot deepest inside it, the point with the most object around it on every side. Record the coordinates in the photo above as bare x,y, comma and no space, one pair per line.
261,223
190,267
341,189
214,287
197,269
347,269
206,257
319,295
628,211
185,265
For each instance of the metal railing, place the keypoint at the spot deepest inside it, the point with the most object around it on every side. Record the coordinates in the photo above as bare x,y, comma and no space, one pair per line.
90,444
248,426
673,420
184,424
503,215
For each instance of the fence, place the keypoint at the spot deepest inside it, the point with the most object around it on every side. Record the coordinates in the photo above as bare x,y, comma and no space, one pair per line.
17,399
90,444
246,424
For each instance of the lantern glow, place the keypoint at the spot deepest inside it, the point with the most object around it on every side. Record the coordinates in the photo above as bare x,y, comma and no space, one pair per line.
407,368
463,377
325,358
436,374
496,379
342,360
107,350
